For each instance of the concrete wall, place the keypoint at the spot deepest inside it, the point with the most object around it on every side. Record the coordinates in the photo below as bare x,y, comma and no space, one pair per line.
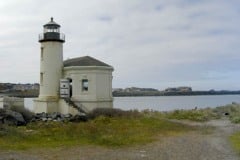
47,106
11,102
90,105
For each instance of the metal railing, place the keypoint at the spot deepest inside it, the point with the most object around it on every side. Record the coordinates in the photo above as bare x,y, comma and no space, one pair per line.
51,36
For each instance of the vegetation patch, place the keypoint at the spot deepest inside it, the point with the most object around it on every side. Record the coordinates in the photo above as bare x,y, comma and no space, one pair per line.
235,140
112,128
102,131
200,115
231,110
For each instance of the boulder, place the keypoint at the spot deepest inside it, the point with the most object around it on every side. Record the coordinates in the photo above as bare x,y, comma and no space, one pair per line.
79,118
54,115
13,118
67,115
1,119
44,119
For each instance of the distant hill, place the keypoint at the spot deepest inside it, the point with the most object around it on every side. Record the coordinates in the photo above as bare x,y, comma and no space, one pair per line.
179,91
19,90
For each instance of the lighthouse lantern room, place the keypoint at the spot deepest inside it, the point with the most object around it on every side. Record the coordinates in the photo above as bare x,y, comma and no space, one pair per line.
51,32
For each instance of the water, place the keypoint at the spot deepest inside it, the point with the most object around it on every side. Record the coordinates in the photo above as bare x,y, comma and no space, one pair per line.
166,103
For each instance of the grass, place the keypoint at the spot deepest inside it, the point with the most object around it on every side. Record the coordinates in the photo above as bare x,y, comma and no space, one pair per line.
112,128
203,115
233,111
235,140
200,115
102,131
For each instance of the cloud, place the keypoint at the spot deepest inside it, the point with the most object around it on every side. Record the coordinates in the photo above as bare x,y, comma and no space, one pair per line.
149,43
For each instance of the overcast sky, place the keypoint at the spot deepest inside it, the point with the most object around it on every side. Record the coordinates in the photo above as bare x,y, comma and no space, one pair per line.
150,43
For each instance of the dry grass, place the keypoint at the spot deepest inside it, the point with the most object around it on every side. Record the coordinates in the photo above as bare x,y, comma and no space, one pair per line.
102,131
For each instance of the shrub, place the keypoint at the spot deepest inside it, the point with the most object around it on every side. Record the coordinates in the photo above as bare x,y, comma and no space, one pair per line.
233,110
113,112
194,115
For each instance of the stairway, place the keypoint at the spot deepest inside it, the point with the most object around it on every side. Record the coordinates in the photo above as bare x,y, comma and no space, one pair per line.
71,103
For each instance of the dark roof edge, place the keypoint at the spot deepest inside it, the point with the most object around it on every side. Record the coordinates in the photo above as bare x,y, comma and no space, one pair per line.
84,61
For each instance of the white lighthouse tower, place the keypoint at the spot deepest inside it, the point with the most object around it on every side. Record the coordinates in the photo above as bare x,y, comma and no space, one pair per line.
51,66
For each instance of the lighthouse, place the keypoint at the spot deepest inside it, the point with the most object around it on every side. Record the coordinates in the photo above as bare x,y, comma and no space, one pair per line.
75,85
51,60
51,65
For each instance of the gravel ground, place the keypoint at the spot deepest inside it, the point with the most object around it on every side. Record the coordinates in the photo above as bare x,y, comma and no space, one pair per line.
196,145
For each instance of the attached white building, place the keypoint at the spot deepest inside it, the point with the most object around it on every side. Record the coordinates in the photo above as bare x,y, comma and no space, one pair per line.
82,83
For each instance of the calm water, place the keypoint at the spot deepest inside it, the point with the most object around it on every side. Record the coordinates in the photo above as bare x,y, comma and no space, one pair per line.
166,103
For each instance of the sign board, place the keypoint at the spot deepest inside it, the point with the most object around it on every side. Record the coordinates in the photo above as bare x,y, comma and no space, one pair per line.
64,88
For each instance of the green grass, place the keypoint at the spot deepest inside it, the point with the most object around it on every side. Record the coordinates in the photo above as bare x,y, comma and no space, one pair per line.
235,140
112,128
102,131
232,109
200,115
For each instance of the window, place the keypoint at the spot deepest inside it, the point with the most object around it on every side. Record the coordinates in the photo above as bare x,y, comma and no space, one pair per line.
41,78
42,53
84,85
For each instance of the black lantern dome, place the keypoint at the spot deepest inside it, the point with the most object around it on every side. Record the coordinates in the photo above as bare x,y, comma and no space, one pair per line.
51,32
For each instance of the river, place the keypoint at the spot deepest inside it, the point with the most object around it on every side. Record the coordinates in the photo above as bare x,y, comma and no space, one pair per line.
165,103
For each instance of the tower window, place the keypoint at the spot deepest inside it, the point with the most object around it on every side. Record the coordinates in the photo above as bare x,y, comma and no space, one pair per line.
41,53
84,85
41,78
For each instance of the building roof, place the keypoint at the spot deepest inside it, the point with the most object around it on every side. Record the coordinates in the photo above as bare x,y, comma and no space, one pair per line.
84,61
51,23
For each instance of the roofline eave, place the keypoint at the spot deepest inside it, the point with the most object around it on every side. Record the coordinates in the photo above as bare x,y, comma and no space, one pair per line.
110,68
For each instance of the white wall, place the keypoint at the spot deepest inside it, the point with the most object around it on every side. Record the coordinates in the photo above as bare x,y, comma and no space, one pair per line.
99,92
47,106
51,67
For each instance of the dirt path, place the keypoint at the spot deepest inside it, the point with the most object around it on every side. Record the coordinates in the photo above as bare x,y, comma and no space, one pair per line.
190,146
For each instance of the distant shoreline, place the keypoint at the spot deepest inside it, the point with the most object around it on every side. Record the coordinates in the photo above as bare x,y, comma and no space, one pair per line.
192,93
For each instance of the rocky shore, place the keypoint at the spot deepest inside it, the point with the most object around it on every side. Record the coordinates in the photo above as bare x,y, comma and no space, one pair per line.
10,117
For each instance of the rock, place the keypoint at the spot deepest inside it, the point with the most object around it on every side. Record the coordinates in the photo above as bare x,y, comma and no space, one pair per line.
44,119
226,114
79,118
37,116
44,115
59,119
67,115
10,117
8,120
15,118
54,115
1,119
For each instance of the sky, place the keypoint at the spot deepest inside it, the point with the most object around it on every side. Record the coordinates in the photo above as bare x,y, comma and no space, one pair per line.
152,44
